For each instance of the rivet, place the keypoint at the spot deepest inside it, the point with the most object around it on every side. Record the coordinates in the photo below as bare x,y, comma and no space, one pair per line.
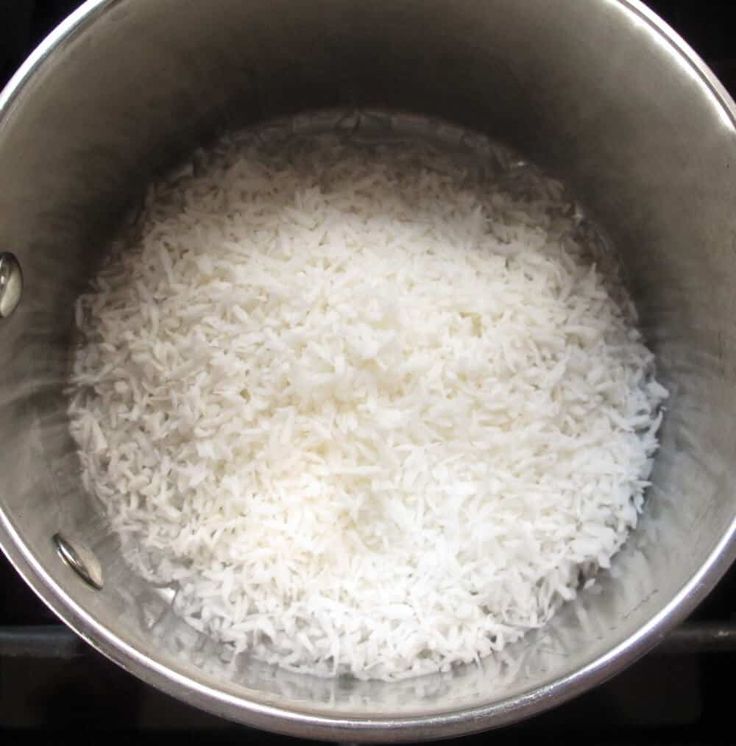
11,284
80,559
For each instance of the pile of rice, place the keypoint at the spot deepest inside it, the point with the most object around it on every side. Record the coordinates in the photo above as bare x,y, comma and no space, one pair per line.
366,410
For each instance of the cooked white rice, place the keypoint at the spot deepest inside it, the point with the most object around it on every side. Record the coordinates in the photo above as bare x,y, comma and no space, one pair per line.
367,410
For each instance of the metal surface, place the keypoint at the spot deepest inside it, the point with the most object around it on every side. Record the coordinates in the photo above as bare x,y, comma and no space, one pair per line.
11,284
80,559
600,93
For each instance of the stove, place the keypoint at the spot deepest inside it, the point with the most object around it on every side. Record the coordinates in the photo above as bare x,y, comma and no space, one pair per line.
55,689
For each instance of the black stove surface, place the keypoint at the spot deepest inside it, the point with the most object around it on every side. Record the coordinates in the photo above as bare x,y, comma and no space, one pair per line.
55,689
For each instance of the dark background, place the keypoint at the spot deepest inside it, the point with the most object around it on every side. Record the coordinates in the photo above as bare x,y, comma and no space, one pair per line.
680,694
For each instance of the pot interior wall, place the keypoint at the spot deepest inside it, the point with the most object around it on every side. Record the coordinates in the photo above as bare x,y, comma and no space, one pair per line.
590,91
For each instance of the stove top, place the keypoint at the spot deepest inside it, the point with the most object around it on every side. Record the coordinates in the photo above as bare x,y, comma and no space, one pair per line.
54,688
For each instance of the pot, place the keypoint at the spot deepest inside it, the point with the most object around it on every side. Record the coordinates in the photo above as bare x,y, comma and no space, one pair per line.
600,93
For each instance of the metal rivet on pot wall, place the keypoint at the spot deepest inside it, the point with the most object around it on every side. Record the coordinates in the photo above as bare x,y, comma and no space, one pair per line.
80,559
11,284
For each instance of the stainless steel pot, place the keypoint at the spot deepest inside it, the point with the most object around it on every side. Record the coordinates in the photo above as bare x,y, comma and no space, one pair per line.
600,92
